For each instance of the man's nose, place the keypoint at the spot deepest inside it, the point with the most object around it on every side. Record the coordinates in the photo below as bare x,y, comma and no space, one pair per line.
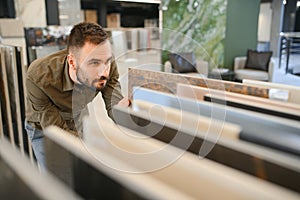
104,70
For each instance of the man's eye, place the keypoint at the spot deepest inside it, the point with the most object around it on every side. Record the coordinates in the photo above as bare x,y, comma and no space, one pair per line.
95,63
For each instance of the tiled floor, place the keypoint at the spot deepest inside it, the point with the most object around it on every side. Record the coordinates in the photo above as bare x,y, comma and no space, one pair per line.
280,76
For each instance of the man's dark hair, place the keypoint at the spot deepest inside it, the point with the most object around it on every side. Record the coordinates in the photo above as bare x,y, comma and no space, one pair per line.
86,32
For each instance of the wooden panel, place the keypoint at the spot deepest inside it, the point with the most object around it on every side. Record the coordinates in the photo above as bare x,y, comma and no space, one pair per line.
91,16
1,123
167,82
13,74
7,117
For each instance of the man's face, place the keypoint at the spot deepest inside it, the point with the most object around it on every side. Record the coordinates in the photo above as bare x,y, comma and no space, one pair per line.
93,65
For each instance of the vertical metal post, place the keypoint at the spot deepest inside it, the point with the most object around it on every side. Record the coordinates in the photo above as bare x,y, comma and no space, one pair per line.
288,45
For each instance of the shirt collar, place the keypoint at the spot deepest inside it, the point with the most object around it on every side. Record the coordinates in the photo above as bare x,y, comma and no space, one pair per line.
68,84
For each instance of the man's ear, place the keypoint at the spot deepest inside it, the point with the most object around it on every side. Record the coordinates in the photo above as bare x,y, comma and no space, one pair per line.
71,61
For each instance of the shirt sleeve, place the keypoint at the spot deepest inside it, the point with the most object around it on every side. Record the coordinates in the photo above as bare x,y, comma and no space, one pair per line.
46,112
112,92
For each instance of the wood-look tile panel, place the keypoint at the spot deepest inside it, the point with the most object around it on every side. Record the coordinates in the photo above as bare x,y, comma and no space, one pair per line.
167,82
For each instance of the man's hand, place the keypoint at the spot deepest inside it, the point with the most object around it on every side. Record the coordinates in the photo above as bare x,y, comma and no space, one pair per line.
124,102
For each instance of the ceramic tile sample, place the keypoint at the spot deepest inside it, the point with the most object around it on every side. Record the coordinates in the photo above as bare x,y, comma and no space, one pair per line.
31,12
197,26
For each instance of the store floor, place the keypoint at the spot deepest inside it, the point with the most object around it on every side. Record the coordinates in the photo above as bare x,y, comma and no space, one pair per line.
280,75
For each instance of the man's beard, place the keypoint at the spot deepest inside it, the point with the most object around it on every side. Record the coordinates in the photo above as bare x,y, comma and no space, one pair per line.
84,80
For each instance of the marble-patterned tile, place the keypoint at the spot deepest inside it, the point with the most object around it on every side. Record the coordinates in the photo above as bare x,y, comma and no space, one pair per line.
167,82
197,26
31,12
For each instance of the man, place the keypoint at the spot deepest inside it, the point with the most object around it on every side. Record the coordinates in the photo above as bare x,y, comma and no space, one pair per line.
60,85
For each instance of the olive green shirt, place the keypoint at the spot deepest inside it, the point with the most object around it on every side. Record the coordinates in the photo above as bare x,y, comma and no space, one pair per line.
50,96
